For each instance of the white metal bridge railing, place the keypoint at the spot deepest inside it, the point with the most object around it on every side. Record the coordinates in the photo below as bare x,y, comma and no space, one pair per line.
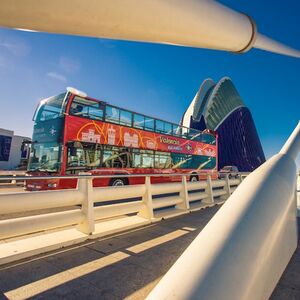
99,211
8,178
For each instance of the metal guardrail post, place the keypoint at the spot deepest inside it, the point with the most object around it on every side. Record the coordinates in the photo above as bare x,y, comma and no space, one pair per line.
14,181
147,210
227,186
185,204
85,186
209,191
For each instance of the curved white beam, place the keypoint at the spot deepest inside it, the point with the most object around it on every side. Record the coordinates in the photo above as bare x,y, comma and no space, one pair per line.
196,23
292,145
243,250
264,43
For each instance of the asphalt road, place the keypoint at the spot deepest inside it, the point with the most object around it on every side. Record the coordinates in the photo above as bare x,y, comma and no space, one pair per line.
126,266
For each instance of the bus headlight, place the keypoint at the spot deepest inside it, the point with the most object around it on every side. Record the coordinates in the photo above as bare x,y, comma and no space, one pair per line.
52,185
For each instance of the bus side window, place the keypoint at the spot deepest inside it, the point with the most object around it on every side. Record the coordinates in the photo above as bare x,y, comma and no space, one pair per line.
177,130
87,108
126,157
168,128
163,127
136,158
112,114
147,158
142,122
149,124
162,160
125,118
159,126
142,158
208,138
96,111
107,158
181,161
203,162
76,157
138,121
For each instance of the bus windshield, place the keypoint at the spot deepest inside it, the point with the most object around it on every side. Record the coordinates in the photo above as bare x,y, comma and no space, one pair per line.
45,157
50,108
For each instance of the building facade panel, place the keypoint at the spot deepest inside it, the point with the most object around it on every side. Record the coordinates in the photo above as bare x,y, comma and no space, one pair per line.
239,144
11,151
223,110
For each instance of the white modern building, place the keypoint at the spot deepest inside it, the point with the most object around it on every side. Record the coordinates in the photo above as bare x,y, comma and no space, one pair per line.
218,106
12,153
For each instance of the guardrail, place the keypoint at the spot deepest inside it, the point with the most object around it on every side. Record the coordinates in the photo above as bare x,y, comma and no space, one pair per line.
185,196
244,249
96,211
9,178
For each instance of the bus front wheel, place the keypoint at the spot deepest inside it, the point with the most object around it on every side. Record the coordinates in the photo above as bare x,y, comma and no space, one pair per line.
118,182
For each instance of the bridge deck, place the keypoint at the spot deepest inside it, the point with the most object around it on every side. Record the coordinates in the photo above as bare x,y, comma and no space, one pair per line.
125,266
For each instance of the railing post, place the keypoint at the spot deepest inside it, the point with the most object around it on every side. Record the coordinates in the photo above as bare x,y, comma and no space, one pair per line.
185,204
85,186
209,190
14,181
147,210
227,186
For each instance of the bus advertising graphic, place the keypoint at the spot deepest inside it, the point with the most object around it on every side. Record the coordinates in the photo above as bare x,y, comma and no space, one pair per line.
79,129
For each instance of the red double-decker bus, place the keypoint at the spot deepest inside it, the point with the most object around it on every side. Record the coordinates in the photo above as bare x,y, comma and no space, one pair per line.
74,133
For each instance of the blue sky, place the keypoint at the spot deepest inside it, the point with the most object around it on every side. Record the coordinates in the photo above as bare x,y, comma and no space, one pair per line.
158,80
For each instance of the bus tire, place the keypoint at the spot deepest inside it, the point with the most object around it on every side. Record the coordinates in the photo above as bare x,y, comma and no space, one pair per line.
194,178
118,182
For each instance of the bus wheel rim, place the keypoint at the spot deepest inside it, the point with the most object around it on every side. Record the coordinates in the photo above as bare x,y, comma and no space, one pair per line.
118,182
